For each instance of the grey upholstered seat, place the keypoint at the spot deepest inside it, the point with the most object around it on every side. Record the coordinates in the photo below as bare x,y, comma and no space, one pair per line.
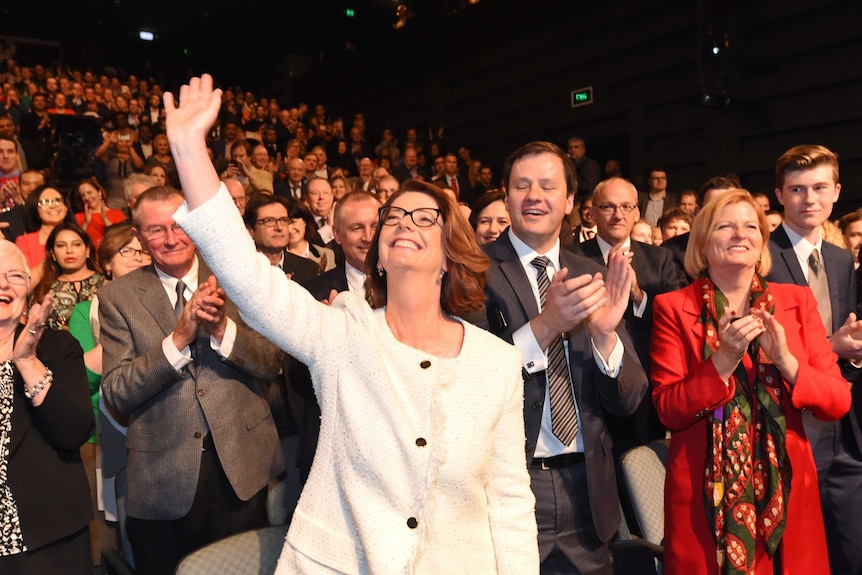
253,552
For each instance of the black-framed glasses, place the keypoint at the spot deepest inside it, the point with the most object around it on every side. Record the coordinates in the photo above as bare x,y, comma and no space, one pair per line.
422,217
625,209
130,252
16,277
270,222
159,232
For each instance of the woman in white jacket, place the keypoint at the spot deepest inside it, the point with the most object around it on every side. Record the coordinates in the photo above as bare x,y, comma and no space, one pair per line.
420,464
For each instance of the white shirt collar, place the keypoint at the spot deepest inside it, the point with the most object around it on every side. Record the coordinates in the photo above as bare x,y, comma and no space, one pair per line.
527,254
606,247
170,282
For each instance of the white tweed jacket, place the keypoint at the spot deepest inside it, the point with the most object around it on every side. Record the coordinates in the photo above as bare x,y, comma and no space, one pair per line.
420,463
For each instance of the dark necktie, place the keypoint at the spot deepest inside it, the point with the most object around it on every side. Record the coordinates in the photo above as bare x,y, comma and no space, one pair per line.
564,419
820,286
181,299
589,234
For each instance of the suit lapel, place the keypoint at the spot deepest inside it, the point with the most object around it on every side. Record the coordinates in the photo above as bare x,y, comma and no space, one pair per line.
514,273
788,255
155,300
833,273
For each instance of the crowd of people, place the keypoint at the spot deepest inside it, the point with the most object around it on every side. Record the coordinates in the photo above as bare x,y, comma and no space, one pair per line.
371,379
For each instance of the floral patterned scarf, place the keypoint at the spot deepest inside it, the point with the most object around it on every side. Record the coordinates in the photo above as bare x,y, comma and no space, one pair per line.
747,474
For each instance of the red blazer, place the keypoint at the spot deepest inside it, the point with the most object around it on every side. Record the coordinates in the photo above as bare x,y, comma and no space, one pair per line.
686,389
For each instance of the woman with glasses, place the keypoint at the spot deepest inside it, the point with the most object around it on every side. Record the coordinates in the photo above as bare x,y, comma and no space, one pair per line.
45,417
420,463
119,253
45,209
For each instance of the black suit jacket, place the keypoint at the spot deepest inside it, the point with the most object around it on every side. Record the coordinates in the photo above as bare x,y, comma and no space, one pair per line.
841,275
677,246
402,173
510,305
656,274
300,379
45,471
669,201
299,269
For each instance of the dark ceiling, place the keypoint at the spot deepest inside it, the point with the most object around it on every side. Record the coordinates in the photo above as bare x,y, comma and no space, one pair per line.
240,41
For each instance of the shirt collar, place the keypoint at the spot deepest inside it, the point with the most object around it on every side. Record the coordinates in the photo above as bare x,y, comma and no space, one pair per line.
526,254
606,247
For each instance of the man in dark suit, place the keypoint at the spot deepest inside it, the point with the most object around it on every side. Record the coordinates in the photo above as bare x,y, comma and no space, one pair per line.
652,204
267,220
535,293
410,169
615,211
354,224
807,186
454,181
179,360
296,184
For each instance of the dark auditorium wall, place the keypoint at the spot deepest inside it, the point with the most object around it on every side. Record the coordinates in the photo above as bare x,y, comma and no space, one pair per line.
500,73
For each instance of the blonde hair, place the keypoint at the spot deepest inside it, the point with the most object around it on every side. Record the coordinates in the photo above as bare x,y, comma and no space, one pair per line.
701,230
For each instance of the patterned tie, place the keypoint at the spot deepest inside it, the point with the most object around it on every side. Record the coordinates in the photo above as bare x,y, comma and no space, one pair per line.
564,420
181,299
820,286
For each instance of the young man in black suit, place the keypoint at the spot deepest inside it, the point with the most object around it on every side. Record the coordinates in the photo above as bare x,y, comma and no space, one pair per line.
535,293
807,186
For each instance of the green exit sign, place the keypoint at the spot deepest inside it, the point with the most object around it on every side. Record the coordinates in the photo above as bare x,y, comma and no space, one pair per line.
582,97
349,12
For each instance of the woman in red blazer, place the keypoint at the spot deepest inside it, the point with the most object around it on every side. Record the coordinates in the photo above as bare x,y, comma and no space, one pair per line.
735,361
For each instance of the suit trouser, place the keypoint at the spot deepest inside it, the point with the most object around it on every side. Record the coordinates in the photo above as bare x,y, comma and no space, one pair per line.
216,512
568,543
839,474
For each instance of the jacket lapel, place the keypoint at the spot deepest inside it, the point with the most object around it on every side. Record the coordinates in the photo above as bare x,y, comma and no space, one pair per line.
514,273
155,300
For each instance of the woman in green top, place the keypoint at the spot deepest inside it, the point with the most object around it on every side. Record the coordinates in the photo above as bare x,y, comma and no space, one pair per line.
119,253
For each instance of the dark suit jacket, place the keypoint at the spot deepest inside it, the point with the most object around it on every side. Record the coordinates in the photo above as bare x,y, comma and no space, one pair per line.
169,412
299,268
45,471
841,275
283,189
677,246
669,201
402,173
465,190
300,379
511,304
656,274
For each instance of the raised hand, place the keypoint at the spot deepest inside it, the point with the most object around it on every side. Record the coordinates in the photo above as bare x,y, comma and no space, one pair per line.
188,122
618,286
847,341
734,335
568,303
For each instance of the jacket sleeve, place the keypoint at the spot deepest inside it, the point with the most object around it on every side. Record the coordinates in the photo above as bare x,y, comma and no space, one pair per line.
820,387
65,417
685,388
510,500
129,379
